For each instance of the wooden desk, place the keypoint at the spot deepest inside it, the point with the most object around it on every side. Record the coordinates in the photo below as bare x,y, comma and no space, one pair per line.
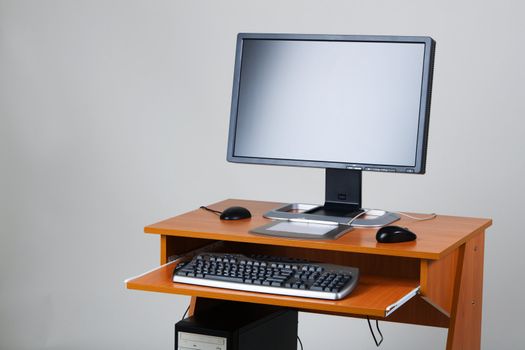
444,266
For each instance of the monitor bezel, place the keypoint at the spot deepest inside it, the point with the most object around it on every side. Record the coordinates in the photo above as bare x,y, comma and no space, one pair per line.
424,108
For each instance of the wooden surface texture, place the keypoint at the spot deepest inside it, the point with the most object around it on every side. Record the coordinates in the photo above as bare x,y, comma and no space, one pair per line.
465,320
371,297
437,281
436,238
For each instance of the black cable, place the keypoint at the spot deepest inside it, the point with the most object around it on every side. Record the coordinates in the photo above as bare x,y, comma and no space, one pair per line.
300,342
185,312
211,210
371,331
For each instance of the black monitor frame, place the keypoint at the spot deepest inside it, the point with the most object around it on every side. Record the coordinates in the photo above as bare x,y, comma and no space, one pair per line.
343,180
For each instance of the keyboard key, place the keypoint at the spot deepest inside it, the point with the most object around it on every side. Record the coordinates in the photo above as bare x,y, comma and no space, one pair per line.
224,278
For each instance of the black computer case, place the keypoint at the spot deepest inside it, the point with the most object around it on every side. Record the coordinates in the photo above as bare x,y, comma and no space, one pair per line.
238,326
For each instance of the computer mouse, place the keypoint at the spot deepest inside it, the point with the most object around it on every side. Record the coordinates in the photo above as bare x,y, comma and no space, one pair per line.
394,234
235,213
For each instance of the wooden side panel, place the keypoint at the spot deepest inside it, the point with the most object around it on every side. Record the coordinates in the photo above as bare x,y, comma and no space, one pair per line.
163,257
170,245
418,311
465,322
193,306
437,281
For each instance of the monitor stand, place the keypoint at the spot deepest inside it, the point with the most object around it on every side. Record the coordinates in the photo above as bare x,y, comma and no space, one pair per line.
342,204
342,194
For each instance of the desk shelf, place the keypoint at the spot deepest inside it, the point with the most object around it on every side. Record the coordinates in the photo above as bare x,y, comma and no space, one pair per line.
374,295
435,241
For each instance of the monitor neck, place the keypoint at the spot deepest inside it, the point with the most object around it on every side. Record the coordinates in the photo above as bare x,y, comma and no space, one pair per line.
343,190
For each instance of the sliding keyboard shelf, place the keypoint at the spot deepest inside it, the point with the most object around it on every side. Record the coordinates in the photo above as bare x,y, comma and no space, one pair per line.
375,296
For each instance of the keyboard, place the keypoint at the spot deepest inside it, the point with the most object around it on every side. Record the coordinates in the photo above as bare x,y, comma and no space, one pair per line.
265,274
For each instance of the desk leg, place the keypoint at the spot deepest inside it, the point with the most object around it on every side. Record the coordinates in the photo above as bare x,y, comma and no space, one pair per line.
465,319
193,304
201,304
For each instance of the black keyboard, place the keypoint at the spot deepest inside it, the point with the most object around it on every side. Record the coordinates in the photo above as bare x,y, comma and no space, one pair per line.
268,275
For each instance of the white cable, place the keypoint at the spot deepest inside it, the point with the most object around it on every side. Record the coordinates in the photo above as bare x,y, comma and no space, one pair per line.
364,212
379,212
429,217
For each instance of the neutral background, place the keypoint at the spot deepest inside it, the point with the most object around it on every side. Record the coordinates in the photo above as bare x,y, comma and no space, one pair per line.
114,115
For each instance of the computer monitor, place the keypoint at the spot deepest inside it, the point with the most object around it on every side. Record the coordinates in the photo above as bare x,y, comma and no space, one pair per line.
347,103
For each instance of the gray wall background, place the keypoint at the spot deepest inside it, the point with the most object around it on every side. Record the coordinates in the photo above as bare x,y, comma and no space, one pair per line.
114,115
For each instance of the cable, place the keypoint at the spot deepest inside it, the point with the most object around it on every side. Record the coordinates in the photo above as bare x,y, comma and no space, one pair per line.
185,312
349,223
211,210
300,342
370,211
364,212
371,331
429,217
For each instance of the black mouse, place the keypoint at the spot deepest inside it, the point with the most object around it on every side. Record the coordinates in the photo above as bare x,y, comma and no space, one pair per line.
394,234
235,213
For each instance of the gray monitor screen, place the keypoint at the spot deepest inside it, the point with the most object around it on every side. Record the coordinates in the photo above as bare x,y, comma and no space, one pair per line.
348,102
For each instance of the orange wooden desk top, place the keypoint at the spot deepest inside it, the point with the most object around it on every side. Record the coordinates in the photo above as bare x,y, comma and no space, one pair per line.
436,238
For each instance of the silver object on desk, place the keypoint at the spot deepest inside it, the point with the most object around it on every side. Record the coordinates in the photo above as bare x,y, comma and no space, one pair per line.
298,228
298,211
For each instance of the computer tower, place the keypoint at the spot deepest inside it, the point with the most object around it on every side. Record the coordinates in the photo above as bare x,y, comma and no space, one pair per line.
238,326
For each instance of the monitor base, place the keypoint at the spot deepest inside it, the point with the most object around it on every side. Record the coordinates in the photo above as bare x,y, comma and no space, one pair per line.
312,213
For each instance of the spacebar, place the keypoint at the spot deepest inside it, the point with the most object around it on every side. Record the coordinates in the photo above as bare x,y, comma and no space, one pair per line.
224,278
